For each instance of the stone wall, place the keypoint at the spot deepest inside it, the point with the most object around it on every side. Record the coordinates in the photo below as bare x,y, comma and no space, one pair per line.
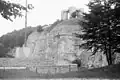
53,69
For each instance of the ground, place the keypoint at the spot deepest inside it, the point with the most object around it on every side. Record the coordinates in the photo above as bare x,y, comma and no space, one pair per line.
109,72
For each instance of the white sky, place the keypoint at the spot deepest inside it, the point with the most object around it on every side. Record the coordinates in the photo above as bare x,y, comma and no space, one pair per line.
44,12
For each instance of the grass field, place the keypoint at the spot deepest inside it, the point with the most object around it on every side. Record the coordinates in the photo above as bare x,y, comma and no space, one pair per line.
108,72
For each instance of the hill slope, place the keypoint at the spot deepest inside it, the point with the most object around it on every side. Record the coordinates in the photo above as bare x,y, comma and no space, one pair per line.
13,39
58,43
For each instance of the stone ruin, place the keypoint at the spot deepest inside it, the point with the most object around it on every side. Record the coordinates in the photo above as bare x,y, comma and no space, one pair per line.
71,12
59,45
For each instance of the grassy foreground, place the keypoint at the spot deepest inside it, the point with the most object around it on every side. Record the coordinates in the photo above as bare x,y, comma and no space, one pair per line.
108,72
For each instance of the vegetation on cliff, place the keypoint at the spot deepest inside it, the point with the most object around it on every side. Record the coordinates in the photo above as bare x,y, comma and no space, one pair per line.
17,38
13,39
9,10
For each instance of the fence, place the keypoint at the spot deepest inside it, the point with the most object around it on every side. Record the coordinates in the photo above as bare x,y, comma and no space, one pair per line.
53,69
4,68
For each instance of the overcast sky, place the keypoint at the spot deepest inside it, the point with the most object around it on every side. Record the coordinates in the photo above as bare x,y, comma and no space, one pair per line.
44,12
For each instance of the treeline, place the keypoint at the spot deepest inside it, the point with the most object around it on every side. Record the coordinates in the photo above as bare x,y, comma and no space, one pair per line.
13,39
17,38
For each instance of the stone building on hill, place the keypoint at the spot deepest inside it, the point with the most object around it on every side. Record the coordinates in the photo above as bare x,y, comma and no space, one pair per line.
71,12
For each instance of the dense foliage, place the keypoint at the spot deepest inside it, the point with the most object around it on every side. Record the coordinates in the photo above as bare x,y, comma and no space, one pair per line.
53,25
39,28
17,38
13,39
101,28
8,9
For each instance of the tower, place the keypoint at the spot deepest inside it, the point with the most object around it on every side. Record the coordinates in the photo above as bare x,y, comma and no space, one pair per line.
64,15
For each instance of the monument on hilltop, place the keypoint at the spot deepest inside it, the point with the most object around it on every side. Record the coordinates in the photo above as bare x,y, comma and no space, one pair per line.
71,12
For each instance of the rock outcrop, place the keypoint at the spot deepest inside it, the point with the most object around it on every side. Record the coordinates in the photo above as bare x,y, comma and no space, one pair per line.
59,43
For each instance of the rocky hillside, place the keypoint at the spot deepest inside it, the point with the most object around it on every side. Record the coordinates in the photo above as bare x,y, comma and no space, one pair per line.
58,43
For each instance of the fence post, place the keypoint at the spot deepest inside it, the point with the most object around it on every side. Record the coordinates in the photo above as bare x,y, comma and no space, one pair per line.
60,69
55,70
4,71
69,68
36,69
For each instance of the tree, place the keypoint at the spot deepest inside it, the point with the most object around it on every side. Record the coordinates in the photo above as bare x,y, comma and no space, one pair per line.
101,28
7,9
13,39
39,28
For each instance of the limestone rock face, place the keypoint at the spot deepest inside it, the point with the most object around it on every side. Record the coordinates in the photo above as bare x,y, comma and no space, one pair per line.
31,42
117,58
59,43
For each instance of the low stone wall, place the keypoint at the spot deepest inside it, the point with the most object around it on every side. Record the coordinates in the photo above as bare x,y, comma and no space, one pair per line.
12,68
53,69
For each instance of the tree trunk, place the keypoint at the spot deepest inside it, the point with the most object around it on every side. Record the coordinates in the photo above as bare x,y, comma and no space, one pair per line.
107,55
110,55
109,47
